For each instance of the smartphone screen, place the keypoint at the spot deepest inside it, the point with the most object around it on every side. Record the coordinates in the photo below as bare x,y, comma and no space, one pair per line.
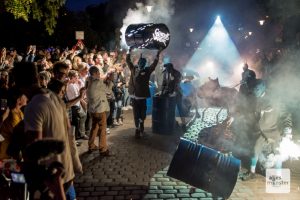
17,177
3,105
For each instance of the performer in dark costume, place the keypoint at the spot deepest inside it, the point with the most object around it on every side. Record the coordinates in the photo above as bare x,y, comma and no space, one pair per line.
139,89
248,80
274,122
171,87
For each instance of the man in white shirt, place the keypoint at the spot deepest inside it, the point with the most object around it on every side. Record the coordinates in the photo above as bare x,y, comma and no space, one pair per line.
78,113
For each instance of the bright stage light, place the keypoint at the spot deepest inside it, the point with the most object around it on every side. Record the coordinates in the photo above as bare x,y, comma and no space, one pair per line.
209,64
216,56
219,33
191,30
208,68
218,20
149,8
261,22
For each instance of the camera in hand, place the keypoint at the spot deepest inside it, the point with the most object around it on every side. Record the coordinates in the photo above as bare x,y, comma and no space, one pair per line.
20,178
37,168
17,177
3,105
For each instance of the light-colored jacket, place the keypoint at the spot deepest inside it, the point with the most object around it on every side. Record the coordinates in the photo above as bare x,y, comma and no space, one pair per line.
96,95
74,152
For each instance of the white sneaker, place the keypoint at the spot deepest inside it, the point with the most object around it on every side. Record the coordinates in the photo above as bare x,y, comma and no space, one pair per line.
124,108
107,131
116,123
1,138
120,122
129,107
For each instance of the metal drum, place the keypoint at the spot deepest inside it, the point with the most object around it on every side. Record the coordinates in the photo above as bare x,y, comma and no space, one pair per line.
149,36
204,168
163,115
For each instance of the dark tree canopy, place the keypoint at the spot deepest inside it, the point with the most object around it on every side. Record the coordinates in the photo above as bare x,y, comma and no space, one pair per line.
46,11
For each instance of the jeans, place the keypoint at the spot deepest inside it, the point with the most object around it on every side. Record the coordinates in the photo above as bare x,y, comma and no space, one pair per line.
70,193
118,109
110,117
126,98
78,120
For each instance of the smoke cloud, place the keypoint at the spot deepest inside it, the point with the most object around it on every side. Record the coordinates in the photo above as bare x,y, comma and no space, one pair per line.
284,10
284,78
284,83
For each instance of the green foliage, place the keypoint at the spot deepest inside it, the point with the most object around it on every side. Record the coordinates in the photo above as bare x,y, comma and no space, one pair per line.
43,10
19,8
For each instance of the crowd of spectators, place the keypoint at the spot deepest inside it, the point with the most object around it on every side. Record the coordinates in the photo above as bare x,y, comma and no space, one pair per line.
78,60
65,90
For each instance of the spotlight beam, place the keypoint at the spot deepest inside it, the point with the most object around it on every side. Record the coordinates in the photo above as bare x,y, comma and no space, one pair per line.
217,48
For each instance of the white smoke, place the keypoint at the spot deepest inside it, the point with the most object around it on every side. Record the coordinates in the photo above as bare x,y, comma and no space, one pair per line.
161,12
288,149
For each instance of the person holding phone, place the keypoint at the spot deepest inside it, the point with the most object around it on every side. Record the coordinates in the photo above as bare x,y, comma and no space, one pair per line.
4,81
3,104
30,53
4,114
3,57
16,100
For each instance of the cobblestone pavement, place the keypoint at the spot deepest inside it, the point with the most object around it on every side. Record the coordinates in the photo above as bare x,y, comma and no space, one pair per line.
138,171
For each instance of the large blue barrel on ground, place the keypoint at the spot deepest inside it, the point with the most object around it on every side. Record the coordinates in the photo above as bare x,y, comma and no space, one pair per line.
163,115
204,168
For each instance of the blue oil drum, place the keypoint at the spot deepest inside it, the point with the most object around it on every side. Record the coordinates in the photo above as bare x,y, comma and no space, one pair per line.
204,168
163,115
149,100
147,36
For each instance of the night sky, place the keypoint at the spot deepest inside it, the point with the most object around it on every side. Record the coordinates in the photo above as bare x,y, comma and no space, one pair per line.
78,5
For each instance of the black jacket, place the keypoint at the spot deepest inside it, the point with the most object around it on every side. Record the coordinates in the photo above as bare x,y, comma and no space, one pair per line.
171,84
139,79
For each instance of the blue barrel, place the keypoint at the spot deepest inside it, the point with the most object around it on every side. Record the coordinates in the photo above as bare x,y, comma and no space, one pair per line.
204,168
149,100
163,115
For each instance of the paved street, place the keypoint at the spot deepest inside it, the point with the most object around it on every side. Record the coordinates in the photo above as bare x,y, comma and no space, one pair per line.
138,171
